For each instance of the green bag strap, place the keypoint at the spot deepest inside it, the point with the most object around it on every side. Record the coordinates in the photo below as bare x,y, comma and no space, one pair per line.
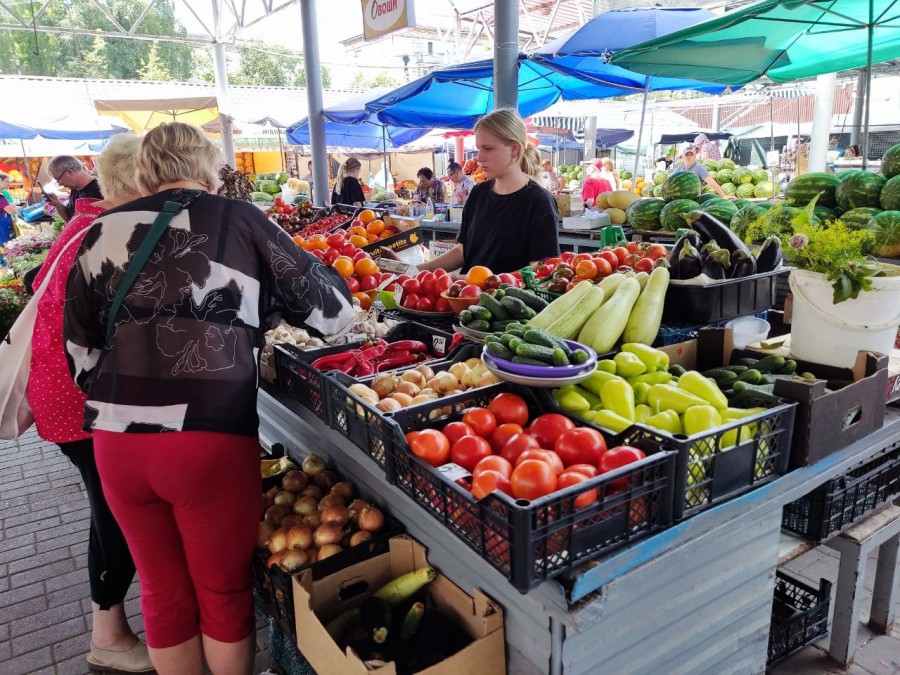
139,259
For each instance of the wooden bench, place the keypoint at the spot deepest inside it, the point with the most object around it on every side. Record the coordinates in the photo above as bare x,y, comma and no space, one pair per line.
880,531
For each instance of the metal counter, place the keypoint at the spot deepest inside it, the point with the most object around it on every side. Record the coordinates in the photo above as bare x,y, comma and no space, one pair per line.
568,240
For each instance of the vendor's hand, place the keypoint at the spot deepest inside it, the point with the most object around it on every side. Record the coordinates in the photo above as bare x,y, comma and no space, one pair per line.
730,197
389,254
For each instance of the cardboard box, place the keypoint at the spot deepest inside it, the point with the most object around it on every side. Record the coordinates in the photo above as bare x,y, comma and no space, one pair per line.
401,223
316,602
564,204
892,393
456,214
439,247
398,242
582,223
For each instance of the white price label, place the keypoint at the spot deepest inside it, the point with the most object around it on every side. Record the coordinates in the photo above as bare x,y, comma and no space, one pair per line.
453,472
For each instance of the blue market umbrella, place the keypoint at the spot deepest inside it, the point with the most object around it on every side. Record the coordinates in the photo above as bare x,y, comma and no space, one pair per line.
367,135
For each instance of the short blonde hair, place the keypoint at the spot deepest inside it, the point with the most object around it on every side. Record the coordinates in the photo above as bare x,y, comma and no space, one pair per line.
174,152
117,167
608,164
507,125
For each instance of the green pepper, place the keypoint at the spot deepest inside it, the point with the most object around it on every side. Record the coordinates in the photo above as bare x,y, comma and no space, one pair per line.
667,420
667,397
610,420
641,389
641,412
592,399
659,377
654,359
607,366
629,365
694,383
571,401
700,418
618,396
730,437
731,414
595,381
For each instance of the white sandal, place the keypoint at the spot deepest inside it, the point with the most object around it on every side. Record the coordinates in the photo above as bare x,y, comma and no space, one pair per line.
135,660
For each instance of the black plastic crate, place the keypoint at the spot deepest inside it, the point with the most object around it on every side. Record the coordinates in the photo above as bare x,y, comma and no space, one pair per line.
799,616
370,429
687,304
531,541
440,323
296,377
840,502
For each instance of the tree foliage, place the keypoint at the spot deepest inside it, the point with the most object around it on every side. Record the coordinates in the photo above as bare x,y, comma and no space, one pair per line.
261,65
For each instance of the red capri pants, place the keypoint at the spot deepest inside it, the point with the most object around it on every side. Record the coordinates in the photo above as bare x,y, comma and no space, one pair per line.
188,504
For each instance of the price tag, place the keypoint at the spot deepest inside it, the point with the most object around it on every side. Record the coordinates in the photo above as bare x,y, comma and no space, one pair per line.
396,267
453,472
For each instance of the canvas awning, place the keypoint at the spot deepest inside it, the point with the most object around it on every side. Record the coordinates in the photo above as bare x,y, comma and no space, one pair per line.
143,114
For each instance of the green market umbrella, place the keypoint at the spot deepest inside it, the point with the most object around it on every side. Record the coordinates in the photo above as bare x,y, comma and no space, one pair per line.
784,40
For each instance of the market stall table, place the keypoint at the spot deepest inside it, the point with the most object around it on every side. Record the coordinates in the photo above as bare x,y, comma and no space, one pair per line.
694,598
436,230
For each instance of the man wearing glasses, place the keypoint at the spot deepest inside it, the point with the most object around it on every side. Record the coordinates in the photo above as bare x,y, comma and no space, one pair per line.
68,172
462,184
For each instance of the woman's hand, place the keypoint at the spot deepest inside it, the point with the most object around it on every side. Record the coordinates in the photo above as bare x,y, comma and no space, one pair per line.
389,254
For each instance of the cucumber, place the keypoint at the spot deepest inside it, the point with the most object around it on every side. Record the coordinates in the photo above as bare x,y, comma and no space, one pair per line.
506,338
536,336
516,329
770,364
465,317
525,361
747,362
746,386
497,349
789,367
721,376
515,342
499,294
483,313
479,325
545,354
750,376
516,307
676,371
736,369
493,337
529,298
494,308
560,358
579,356
502,325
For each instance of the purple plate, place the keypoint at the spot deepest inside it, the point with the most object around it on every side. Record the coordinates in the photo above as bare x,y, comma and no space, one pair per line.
547,371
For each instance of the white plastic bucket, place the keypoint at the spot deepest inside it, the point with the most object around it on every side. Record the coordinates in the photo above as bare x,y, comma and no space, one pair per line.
824,332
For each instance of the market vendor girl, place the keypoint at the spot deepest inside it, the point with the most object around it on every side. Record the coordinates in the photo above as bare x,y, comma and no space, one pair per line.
171,383
509,220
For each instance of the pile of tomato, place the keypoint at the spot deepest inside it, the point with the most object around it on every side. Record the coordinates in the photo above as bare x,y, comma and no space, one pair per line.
560,275
525,458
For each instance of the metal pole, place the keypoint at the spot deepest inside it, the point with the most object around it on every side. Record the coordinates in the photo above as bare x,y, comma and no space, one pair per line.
506,53
25,160
221,75
717,118
637,152
821,125
388,186
859,102
771,124
280,148
314,101
865,138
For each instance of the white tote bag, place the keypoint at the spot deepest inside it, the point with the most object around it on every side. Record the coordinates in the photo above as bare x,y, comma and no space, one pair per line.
15,362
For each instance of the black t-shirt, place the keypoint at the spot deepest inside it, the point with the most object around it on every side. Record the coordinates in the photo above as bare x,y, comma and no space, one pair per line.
507,232
351,192
89,191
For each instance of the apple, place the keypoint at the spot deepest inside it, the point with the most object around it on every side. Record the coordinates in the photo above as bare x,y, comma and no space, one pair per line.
335,240
455,288
470,291
348,250
359,255
353,284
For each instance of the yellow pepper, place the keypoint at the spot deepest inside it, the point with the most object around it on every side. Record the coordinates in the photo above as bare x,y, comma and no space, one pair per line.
618,396
641,412
704,388
700,418
654,359
629,365
595,381
667,420
667,397
610,420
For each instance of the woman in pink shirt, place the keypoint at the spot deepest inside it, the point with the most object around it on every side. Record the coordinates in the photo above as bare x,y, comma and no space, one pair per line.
594,185
58,408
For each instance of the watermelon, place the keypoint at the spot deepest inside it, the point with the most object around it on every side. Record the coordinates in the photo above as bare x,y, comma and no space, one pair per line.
890,194
824,214
741,203
660,177
647,190
886,228
720,209
890,163
803,189
714,175
726,164
724,176
765,190
683,185
706,196
707,190
744,218
759,175
644,214
671,215
858,219
711,165
658,191
745,190
741,175
767,205
625,175
859,189
729,188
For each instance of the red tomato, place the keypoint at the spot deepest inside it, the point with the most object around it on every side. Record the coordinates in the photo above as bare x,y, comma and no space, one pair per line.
532,479
410,436
481,420
401,279
604,269
353,284
567,257
424,304
633,247
442,305
336,240
632,259
444,282
587,269
432,446
470,291
359,255
508,278
348,250
410,301
411,286
469,450
279,201
644,265
368,282
618,457
494,463
429,283
456,430
486,482
440,273
503,433
580,446
570,478
580,257
552,261
547,428
509,408
589,470
621,254
518,444
610,258
658,251
545,456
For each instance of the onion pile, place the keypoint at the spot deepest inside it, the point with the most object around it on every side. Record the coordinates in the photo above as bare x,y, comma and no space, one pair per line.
313,515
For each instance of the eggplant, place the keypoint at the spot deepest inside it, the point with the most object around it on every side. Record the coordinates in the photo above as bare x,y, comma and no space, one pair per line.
674,260
689,264
712,229
376,617
742,265
770,255
708,248
716,264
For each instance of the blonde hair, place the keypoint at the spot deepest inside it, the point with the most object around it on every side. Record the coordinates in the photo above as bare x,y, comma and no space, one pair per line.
608,164
507,125
117,167
350,165
175,152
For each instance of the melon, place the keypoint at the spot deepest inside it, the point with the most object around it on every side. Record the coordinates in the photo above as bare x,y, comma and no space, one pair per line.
744,217
745,190
858,219
890,194
621,199
659,177
804,188
644,214
603,200
616,216
890,163
720,209
724,176
671,216
729,188
726,164
886,228
765,190
859,189
682,185
625,175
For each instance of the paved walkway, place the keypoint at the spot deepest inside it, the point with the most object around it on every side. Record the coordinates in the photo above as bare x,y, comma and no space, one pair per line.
45,611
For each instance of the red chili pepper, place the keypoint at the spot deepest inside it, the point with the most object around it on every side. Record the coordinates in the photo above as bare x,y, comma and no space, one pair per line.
396,361
330,361
457,338
408,346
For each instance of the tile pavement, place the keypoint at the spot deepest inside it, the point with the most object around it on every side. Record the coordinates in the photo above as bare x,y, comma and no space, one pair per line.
45,608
